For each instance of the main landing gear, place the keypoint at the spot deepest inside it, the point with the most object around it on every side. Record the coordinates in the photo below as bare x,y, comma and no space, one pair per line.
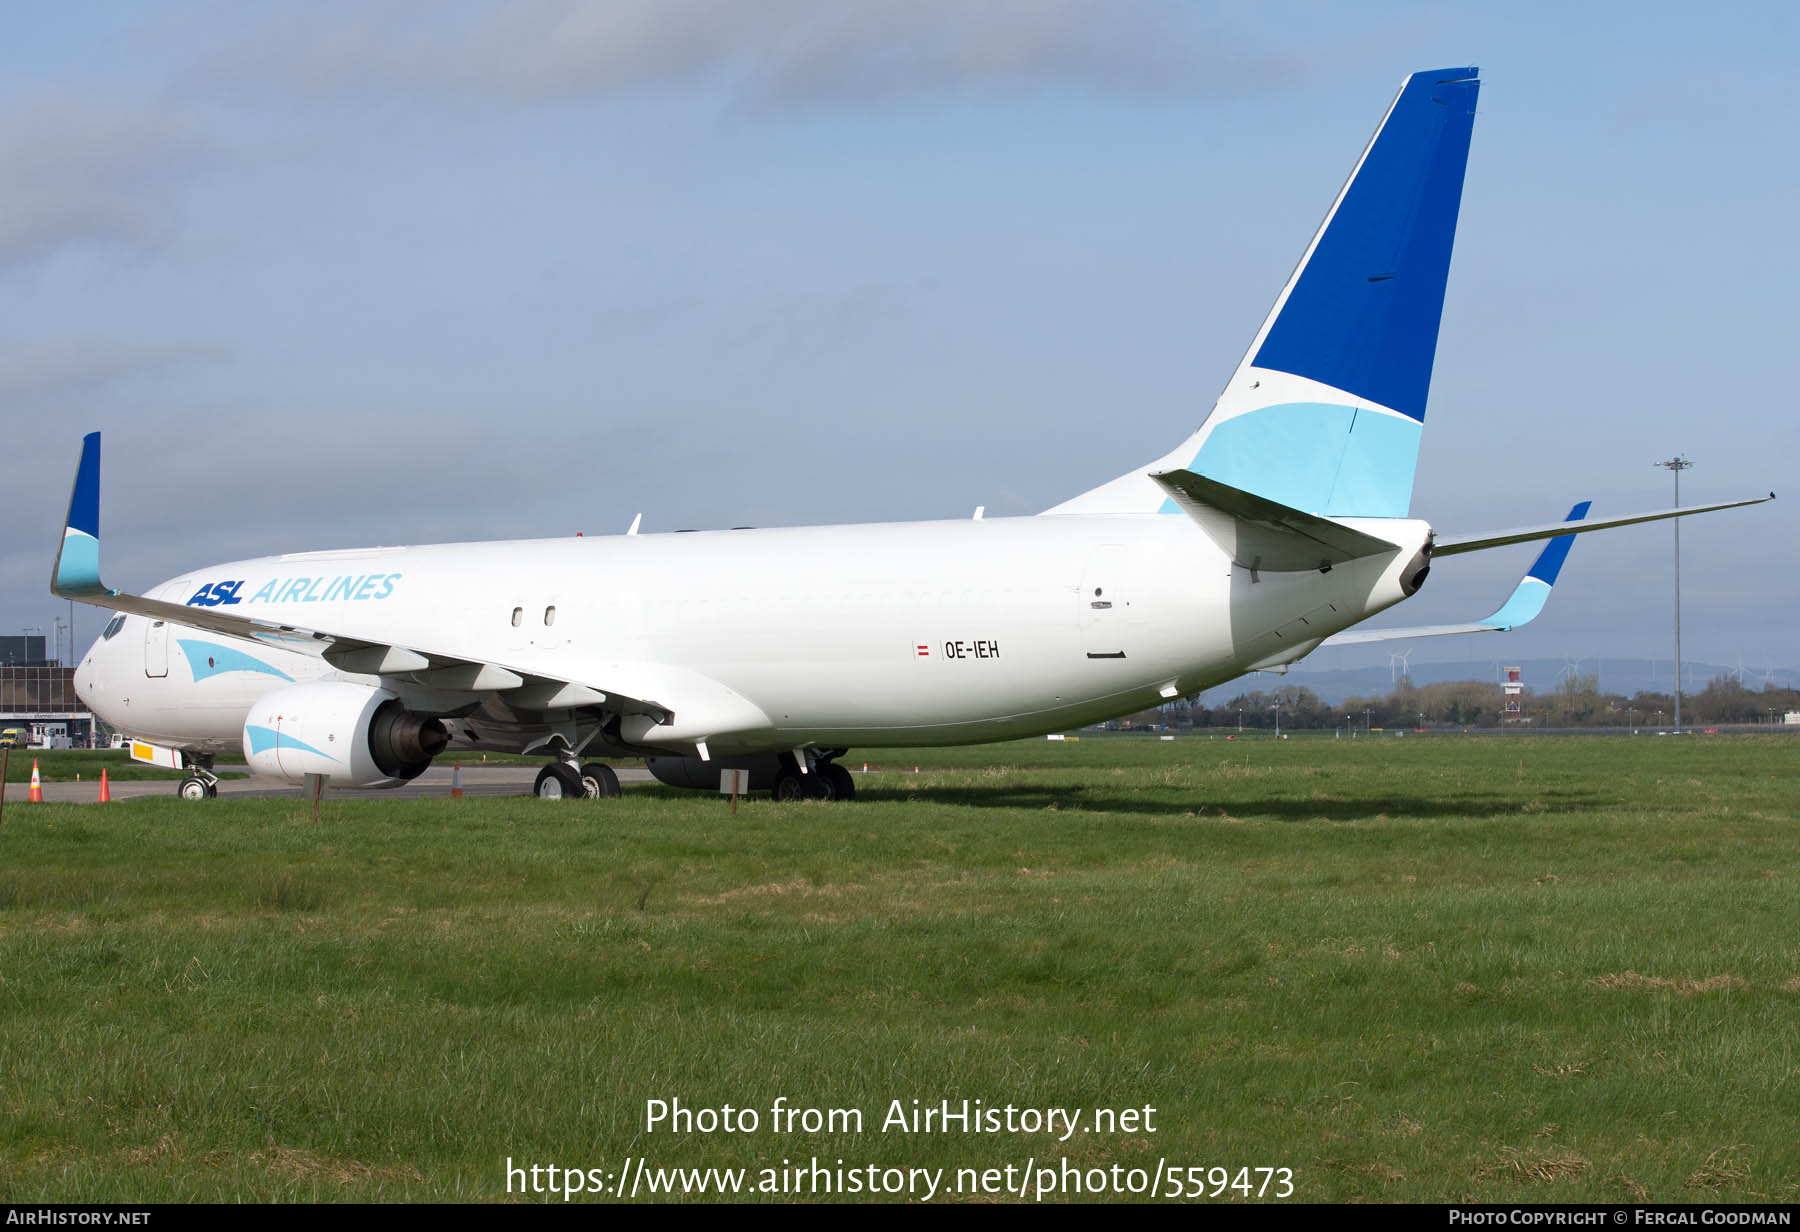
566,780
826,780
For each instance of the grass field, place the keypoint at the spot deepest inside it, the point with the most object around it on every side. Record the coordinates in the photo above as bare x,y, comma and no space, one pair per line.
1523,969
69,765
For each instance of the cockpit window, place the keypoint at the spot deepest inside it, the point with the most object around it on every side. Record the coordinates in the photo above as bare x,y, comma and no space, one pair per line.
112,627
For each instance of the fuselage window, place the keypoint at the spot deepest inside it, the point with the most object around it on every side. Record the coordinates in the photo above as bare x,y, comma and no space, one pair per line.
550,615
112,628
518,615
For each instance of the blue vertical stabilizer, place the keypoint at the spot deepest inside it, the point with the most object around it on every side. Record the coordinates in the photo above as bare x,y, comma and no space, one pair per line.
1362,315
1325,411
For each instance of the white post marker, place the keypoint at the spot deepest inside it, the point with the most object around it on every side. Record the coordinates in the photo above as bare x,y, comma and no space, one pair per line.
734,783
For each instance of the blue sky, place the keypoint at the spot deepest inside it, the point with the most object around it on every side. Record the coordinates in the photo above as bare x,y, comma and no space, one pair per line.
346,273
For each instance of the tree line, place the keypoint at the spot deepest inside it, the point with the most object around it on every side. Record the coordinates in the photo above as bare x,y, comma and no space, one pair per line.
1576,701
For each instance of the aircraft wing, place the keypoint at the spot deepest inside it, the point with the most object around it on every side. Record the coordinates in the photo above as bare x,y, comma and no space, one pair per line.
76,575
1452,545
1525,602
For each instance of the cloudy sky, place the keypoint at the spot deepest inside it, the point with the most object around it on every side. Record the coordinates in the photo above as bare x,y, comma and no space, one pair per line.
334,274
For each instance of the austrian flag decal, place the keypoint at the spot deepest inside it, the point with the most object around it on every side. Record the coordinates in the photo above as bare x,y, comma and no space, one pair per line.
922,650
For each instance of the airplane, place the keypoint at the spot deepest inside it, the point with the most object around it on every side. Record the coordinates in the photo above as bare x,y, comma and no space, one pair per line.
1278,525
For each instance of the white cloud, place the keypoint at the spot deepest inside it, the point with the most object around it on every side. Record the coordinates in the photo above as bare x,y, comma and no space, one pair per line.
770,52
82,173
811,50
34,377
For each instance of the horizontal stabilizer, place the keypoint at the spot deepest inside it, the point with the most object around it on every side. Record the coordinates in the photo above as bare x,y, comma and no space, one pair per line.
1262,534
1446,545
1525,602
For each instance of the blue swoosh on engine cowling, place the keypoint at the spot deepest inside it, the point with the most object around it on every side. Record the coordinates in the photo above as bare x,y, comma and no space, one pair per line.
264,738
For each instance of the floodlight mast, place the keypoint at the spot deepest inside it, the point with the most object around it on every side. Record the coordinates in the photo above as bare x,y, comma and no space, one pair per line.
1677,464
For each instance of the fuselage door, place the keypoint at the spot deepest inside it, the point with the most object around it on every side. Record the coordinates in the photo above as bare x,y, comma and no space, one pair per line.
156,649
1102,602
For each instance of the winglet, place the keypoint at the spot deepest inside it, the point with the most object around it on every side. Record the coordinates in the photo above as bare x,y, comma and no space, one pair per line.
1533,590
1525,602
76,574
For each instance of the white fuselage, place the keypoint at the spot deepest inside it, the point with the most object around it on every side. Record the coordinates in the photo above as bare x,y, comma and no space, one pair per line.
768,640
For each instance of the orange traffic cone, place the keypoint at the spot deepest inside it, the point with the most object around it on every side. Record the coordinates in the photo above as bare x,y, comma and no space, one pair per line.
105,788
456,782
37,784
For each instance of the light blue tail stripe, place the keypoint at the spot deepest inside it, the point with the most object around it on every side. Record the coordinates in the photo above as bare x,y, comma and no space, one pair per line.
1321,457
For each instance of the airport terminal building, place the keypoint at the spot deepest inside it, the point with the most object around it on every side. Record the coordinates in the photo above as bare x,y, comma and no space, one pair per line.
37,695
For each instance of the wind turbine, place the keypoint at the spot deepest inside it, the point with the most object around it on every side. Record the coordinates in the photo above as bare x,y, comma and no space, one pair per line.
1399,664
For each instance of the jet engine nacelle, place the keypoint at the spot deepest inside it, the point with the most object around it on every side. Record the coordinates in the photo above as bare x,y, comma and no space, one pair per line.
353,734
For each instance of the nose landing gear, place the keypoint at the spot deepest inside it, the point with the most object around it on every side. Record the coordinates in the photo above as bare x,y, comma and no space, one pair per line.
201,783
194,787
